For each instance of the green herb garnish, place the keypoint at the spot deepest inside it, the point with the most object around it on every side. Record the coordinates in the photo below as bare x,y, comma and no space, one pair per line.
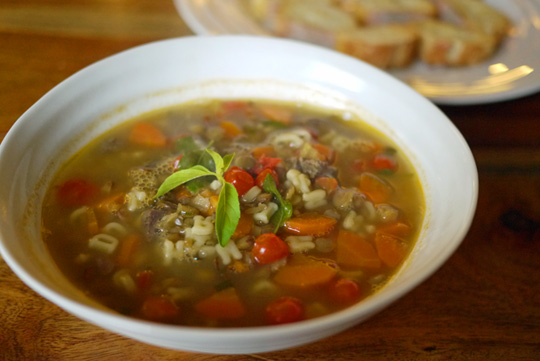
228,208
285,209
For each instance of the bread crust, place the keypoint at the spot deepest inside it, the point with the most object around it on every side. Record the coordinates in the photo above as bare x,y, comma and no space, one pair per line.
443,43
385,46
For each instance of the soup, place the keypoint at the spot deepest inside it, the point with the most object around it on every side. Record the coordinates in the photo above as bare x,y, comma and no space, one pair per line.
234,213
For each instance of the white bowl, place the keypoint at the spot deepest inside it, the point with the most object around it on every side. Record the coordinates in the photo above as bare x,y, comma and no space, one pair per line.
173,71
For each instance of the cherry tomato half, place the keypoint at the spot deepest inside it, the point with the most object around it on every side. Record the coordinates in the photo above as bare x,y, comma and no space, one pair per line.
384,162
159,308
345,291
269,248
240,179
284,310
262,176
76,192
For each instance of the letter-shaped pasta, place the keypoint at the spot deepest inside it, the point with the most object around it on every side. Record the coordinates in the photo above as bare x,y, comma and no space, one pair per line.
104,243
172,250
264,215
299,180
124,280
202,226
114,229
251,194
229,252
299,244
314,199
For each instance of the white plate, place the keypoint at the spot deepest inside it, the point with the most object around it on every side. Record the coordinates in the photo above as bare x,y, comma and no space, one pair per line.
514,71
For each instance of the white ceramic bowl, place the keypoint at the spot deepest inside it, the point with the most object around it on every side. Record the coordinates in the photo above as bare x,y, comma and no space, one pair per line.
173,71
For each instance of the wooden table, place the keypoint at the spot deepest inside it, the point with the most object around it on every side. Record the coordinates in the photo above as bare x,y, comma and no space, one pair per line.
483,304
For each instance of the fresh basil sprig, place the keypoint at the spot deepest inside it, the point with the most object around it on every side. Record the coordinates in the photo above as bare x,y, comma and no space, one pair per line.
228,208
285,208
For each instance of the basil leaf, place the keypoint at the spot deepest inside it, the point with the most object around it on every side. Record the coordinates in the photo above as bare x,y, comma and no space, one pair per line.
227,160
275,124
197,157
218,161
186,144
196,184
285,209
181,177
227,213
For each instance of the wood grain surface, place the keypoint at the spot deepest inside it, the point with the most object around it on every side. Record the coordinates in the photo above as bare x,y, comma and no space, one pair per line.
483,304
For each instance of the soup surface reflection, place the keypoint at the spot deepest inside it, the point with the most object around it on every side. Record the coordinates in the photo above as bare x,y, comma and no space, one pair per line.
233,213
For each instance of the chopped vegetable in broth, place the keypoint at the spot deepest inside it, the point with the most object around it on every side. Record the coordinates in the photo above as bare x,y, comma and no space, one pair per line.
234,213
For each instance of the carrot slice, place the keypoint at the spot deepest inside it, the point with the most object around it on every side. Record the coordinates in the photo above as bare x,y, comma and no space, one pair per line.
374,187
325,153
310,224
329,184
353,251
93,227
390,249
147,135
112,203
127,249
231,129
399,229
224,304
245,224
304,272
267,150
276,113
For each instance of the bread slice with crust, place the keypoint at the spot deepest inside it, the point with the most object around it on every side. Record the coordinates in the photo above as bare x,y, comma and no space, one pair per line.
377,12
314,21
443,43
385,46
475,15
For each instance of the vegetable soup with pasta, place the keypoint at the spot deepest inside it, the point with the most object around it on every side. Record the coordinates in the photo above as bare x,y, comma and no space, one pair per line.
234,213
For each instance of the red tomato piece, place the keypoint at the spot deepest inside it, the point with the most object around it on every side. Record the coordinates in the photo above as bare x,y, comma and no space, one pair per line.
240,179
345,291
159,308
143,279
384,162
284,310
269,248
77,192
265,162
262,176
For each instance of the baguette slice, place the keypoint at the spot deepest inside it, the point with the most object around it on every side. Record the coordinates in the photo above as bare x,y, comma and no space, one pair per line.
262,10
385,46
476,15
314,21
376,12
443,43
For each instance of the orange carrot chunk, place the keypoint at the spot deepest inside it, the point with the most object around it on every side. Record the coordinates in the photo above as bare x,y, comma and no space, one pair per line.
325,153
329,184
147,135
353,251
245,224
310,224
231,129
127,249
276,113
398,229
304,272
224,304
266,150
374,187
390,249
